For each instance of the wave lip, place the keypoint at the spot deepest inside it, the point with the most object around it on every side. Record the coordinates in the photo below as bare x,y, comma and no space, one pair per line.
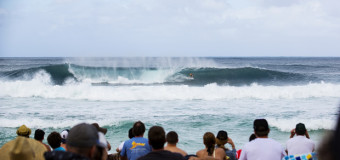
60,73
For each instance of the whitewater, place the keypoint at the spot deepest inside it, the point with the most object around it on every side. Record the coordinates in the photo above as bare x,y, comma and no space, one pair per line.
224,94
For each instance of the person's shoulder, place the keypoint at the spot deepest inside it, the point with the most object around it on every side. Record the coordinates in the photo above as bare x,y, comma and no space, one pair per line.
173,155
62,155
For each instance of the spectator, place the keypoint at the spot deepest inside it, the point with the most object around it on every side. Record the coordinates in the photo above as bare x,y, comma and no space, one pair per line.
262,147
120,147
157,140
64,135
39,136
172,140
221,139
54,140
24,131
300,144
81,144
22,147
136,146
210,152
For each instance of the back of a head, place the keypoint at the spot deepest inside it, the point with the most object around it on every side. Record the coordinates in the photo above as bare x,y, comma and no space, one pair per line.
172,137
209,141
221,138
261,127
138,129
156,137
82,136
54,140
39,134
24,131
64,135
300,129
130,133
222,135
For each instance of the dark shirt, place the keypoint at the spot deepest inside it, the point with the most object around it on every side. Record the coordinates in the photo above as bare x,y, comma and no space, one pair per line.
162,155
62,155
231,154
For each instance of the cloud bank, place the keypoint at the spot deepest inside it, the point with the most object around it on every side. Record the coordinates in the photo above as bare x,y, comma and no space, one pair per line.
169,28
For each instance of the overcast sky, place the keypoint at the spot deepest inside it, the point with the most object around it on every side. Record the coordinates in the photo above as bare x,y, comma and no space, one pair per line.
120,28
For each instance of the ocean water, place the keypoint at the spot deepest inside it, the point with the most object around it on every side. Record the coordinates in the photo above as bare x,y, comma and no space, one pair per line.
224,94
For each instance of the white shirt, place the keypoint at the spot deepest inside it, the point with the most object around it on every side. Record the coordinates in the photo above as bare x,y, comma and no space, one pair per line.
262,149
300,145
121,146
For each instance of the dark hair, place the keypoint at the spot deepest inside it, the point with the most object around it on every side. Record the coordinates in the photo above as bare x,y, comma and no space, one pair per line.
39,134
54,140
156,137
172,137
261,127
252,137
209,142
222,135
130,133
138,128
300,129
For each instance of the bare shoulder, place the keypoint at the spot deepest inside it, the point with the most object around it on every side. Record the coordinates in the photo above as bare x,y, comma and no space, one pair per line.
220,153
200,153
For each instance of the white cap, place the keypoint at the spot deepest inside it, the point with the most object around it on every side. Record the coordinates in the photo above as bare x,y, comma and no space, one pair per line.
64,135
101,140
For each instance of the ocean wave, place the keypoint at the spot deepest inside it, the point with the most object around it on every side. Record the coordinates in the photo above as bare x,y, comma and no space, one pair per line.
60,73
312,124
42,86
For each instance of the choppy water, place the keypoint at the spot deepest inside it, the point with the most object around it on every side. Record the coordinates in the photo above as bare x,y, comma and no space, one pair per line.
224,93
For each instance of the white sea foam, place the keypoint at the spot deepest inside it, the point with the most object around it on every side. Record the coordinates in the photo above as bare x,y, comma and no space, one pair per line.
41,86
314,123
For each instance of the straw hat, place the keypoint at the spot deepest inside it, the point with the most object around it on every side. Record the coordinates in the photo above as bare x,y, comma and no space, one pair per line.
22,148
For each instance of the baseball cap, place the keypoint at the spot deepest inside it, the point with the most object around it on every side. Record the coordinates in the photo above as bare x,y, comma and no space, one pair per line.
82,135
261,125
102,142
64,135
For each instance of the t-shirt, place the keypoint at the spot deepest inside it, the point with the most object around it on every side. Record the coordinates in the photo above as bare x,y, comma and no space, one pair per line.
135,148
59,149
300,145
262,149
162,155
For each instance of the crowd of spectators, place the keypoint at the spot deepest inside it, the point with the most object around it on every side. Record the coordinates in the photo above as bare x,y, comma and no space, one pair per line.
87,142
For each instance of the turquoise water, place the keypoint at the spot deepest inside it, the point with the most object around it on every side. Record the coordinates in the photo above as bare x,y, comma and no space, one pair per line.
285,91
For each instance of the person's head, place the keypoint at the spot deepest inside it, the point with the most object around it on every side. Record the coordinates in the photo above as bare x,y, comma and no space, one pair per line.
300,129
252,137
130,133
24,131
138,129
39,134
64,135
82,139
156,137
172,137
221,138
54,140
261,127
209,141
